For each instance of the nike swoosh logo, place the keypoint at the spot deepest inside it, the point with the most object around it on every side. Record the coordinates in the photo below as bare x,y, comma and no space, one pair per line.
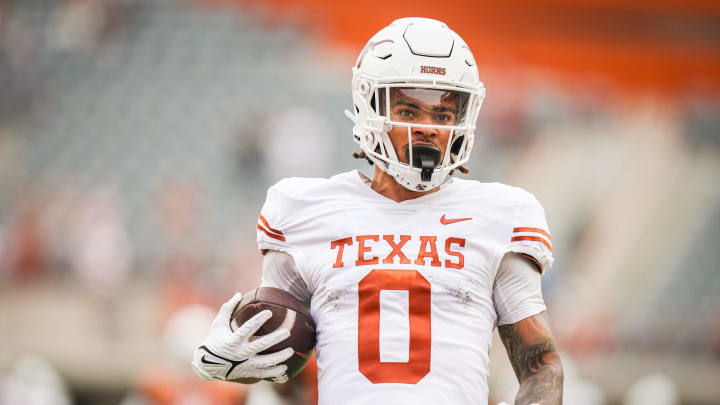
445,221
233,363
206,361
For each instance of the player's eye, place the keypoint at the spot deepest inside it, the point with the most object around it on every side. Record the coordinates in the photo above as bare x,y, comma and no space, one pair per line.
444,118
407,113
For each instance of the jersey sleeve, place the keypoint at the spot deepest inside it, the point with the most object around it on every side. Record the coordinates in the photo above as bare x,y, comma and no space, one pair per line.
273,221
277,230
530,233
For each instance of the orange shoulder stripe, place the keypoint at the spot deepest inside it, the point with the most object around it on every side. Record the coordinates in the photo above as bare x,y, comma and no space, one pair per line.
536,230
533,238
271,229
272,235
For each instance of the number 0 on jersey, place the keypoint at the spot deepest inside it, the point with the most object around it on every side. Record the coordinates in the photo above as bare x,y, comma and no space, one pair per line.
418,288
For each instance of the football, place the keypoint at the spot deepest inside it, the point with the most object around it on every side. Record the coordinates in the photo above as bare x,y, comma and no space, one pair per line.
288,312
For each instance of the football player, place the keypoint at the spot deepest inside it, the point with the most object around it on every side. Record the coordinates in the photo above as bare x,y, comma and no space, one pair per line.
406,273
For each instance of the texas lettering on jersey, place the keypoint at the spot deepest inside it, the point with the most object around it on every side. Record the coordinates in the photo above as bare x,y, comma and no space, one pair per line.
360,251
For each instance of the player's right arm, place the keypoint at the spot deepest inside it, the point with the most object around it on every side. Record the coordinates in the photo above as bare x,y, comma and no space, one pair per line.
278,239
228,355
279,270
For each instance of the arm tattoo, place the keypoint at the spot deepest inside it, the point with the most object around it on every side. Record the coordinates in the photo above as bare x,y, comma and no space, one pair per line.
535,360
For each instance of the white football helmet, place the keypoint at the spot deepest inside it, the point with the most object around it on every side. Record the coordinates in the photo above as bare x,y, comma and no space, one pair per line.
418,62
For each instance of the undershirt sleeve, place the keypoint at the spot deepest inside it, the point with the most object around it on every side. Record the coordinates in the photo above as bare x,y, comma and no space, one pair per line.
280,271
517,292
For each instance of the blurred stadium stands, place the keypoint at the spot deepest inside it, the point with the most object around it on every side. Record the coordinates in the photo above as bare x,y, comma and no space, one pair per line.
134,157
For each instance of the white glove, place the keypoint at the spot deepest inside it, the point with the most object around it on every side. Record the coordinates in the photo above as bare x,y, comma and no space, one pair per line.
228,355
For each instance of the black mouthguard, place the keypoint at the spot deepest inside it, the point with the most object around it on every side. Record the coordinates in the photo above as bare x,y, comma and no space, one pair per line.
426,158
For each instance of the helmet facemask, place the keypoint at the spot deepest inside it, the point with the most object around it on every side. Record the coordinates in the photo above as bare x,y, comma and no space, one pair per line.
419,133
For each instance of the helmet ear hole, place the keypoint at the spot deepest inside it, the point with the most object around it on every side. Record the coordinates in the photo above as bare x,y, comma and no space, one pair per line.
456,145
364,87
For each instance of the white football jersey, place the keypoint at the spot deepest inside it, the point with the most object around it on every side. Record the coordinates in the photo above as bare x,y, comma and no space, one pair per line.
402,292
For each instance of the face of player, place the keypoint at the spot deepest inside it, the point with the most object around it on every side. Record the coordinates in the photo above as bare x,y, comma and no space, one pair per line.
430,107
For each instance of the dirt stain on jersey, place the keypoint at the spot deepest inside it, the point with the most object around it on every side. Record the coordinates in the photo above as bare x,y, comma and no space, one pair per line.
336,298
462,295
